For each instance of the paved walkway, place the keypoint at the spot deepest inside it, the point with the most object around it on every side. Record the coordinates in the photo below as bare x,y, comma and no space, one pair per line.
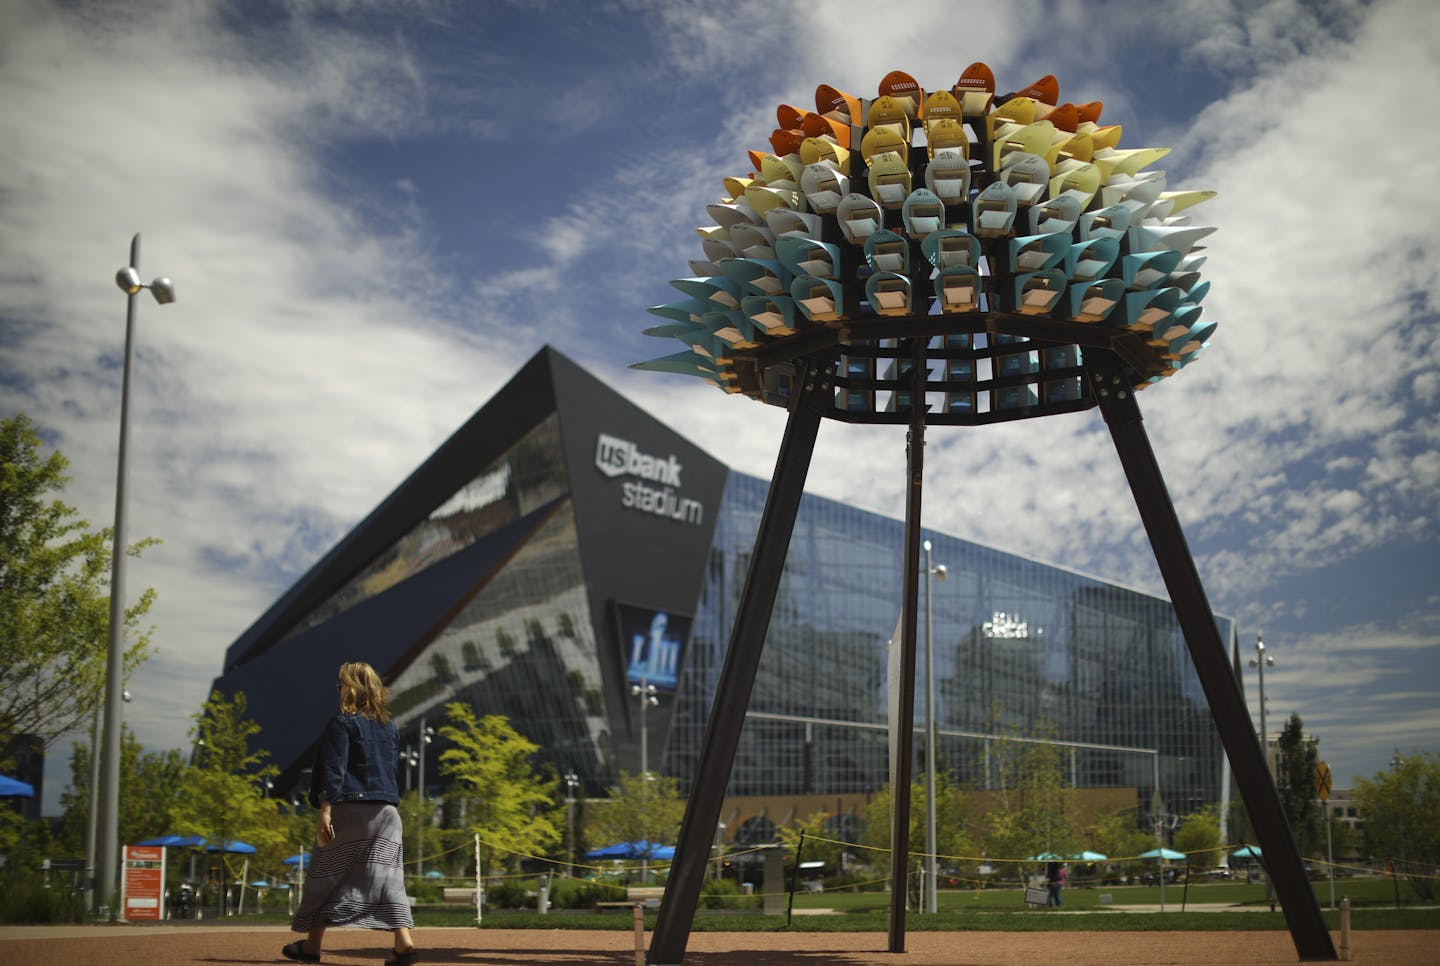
245,946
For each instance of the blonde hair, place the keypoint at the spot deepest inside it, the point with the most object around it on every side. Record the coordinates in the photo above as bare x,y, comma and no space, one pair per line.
363,693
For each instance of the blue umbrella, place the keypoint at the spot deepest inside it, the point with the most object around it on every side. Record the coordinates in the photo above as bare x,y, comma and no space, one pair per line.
1247,852
433,874
1088,856
176,841
166,840
14,788
301,859
1045,857
233,847
633,850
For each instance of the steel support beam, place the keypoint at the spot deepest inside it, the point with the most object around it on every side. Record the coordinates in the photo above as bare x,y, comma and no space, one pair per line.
1207,652
903,719
737,675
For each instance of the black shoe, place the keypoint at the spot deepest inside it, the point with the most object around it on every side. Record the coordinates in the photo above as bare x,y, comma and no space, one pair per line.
296,951
407,958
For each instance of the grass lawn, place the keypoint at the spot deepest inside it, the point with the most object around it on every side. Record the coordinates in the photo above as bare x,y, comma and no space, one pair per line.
1002,910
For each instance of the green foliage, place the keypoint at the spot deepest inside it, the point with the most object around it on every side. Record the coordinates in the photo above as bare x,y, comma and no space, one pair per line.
150,793
954,823
1037,809
1400,808
54,596
637,810
725,894
29,902
223,795
1118,835
819,847
1199,837
578,893
507,894
1296,784
507,803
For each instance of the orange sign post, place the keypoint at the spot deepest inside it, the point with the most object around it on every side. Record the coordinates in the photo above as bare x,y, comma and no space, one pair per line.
142,886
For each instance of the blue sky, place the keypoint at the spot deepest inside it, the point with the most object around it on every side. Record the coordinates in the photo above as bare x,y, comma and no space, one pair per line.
374,212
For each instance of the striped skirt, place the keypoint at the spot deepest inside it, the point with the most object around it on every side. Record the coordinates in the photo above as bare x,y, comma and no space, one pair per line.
358,879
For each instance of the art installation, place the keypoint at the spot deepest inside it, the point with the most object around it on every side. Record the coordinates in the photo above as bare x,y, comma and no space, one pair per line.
951,257
951,206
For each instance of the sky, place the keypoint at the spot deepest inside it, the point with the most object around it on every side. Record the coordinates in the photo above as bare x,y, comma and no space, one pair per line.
374,212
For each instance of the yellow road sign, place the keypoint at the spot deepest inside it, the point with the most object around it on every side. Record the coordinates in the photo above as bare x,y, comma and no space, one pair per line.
1322,781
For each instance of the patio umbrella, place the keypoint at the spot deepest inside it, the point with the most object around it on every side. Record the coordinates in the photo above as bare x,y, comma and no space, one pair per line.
1170,854
301,859
165,840
14,788
234,847
1088,856
633,850
1247,852
1046,857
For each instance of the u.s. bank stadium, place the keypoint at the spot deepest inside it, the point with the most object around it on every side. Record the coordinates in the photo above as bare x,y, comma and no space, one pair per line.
564,546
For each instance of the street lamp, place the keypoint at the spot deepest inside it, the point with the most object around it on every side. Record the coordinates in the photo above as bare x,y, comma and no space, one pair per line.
1260,661
931,863
108,844
645,693
427,735
571,780
93,825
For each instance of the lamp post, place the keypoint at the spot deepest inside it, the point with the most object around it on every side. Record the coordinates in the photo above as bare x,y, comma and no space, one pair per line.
1260,661
931,846
645,693
422,815
93,825
108,836
571,780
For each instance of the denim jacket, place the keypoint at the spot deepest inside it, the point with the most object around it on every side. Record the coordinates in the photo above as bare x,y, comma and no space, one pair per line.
355,762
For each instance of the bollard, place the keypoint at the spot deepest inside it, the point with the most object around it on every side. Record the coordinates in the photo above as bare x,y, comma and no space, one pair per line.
639,934
1345,951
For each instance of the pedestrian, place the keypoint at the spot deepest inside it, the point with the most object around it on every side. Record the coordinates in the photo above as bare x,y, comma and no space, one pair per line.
356,876
1055,873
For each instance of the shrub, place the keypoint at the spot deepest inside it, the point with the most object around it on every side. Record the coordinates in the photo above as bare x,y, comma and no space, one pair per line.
725,894
29,902
507,895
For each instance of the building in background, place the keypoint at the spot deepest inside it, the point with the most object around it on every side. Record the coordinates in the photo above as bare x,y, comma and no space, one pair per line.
565,548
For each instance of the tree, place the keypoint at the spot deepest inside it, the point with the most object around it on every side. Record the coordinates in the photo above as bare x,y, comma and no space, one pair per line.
638,810
223,796
54,596
953,823
819,846
150,793
507,804
1118,834
1296,785
1400,808
1036,809
1199,837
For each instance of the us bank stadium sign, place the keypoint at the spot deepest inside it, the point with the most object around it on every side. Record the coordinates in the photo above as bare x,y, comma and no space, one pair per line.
654,481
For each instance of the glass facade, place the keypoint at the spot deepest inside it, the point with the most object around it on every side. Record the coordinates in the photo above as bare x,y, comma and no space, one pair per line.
1021,649
511,573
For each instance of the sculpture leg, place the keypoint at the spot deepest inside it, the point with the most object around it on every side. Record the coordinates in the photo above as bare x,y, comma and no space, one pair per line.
1207,652
902,718
737,675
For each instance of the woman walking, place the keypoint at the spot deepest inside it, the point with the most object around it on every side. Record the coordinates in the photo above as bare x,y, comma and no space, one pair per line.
356,876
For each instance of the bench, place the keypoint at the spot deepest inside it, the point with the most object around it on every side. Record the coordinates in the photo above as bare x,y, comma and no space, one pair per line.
647,896
459,894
